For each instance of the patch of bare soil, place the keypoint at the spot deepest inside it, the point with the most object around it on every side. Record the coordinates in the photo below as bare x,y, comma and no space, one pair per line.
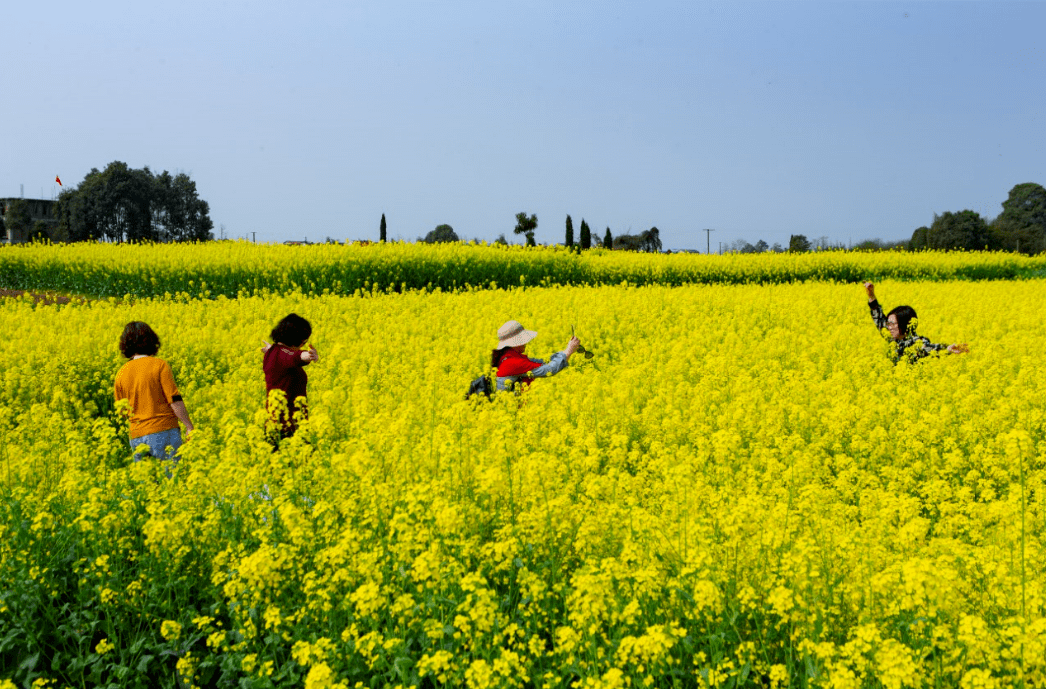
40,298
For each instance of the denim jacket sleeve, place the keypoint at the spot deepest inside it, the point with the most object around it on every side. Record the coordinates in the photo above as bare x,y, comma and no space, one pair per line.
556,363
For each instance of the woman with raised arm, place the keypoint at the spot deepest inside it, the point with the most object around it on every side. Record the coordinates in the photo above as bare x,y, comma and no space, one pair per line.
514,366
900,323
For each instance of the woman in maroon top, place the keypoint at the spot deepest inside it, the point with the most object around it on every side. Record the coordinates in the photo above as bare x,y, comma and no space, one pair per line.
284,364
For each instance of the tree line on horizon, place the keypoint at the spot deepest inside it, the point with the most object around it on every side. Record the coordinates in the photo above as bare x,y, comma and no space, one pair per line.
123,204
1021,227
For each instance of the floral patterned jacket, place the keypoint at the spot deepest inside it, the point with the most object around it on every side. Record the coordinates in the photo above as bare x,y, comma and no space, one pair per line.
913,347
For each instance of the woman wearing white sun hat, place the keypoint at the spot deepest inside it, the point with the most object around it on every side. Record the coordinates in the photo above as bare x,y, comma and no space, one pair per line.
513,365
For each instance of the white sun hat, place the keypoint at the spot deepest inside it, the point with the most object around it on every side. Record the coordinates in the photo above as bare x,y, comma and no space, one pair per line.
512,334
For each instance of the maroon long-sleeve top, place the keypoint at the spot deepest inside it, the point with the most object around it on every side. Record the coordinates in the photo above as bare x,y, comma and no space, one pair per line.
284,370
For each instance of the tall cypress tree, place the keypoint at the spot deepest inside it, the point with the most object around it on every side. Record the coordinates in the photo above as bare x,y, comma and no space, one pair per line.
586,235
608,240
384,229
570,232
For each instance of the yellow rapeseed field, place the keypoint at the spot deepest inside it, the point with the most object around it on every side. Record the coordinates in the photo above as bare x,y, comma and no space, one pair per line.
739,489
237,268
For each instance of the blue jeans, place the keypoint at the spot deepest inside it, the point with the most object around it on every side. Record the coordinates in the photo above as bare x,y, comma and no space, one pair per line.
158,443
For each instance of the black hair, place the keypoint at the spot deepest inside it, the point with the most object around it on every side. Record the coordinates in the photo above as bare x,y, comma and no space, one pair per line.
138,338
292,330
496,356
905,315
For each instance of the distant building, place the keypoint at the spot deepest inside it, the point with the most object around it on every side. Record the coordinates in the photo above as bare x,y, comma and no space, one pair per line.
40,210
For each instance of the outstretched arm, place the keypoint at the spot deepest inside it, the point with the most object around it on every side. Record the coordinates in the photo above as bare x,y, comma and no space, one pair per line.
877,311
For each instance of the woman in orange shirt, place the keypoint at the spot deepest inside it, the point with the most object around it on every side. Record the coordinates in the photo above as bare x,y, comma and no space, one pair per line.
148,384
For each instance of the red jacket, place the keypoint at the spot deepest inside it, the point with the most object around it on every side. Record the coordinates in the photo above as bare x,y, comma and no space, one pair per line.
515,364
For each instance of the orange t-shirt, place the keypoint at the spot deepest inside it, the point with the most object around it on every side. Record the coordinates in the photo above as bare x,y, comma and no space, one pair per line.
149,386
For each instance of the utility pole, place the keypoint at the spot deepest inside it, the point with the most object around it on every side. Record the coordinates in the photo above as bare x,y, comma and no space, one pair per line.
254,237
708,240
720,248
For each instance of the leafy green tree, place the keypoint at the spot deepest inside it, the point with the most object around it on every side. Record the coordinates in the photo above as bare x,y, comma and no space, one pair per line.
608,240
41,232
1022,224
123,204
628,242
586,235
570,233
650,241
178,212
526,226
963,230
919,239
442,233
798,243
383,231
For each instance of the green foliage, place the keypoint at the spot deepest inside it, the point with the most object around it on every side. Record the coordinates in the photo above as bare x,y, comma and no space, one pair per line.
442,233
650,241
383,231
628,242
526,226
586,235
123,204
1022,224
41,232
798,243
569,241
880,245
920,239
963,230
608,240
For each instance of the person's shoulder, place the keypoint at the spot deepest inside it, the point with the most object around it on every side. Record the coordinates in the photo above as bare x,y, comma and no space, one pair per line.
154,363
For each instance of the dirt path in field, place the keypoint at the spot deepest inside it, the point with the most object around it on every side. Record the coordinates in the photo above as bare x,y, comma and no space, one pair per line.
45,299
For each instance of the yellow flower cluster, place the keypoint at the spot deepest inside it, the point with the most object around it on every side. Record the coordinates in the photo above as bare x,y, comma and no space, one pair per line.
740,488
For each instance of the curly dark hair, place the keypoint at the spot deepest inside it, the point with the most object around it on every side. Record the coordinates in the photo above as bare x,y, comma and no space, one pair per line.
905,315
138,338
292,330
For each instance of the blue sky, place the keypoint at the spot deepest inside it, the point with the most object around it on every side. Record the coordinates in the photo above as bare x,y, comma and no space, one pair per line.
761,120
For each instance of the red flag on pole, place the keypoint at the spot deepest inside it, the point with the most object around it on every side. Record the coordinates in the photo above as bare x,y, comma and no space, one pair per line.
58,180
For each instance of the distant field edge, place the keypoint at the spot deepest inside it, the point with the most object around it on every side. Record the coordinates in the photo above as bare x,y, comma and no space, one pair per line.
233,269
